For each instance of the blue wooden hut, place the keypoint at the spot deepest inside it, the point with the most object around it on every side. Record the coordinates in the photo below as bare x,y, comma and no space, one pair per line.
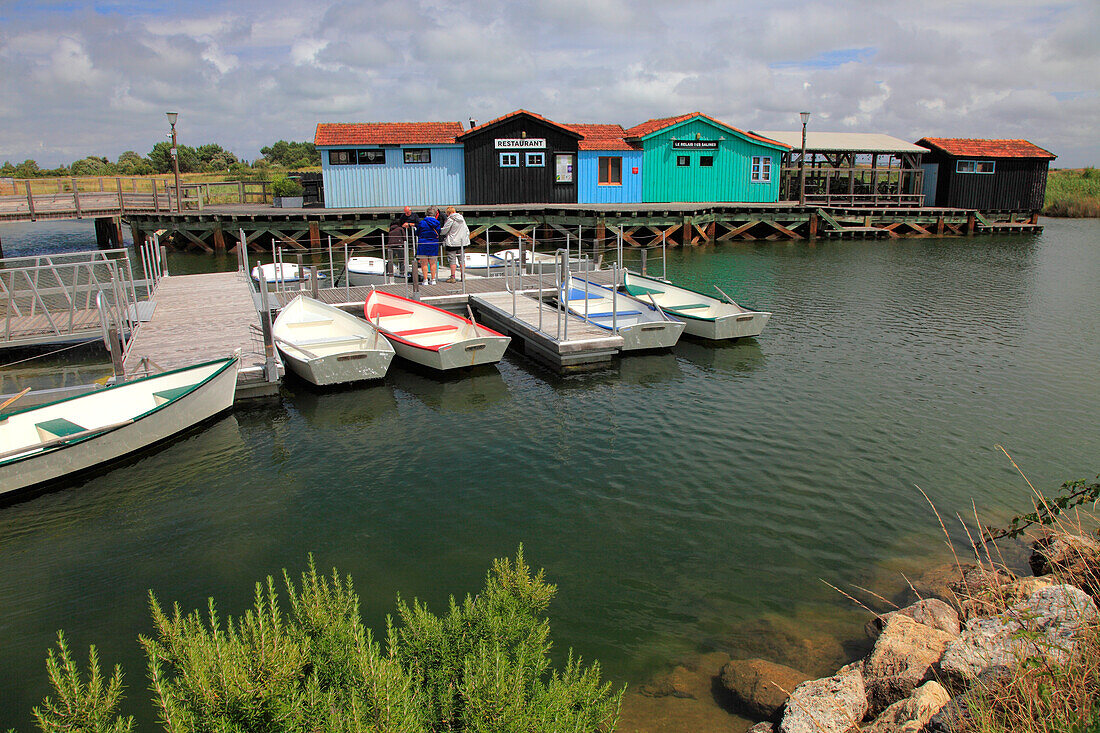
609,168
391,164
696,158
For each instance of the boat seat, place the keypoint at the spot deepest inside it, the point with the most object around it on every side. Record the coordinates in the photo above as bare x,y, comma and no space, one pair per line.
385,311
578,294
639,290
427,329
167,395
59,427
687,306
328,340
310,322
609,314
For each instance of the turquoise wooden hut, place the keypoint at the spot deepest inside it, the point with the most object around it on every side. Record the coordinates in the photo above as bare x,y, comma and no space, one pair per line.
609,168
696,158
391,164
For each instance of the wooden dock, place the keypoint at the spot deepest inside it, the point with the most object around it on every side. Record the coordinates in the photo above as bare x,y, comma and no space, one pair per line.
564,341
199,318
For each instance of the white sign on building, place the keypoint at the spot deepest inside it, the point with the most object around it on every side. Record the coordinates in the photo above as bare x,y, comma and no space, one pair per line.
517,143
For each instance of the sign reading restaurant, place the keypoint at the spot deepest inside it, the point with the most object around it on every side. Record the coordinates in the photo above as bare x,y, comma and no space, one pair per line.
514,143
695,144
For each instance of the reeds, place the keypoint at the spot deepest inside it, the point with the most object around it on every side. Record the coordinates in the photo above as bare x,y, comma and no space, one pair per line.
1073,193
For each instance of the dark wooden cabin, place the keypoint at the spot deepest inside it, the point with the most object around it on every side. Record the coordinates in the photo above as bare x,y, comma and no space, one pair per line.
988,175
521,158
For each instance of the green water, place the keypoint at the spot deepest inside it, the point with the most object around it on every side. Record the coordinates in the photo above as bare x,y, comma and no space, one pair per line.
671,497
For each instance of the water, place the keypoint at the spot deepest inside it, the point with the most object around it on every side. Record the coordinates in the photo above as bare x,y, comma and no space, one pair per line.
675,499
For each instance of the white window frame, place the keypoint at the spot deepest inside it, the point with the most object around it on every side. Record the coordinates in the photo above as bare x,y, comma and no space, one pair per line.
540,159
509,160
761,169
976,166
417,156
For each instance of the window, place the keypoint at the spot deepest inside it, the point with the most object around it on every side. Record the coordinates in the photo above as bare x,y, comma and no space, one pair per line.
535,160
761,169
706,161
418,155
611,171
683,160
975,166
370,157
509,160
341,157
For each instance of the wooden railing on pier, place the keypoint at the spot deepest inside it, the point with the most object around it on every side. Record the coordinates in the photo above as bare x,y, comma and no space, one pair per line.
103,196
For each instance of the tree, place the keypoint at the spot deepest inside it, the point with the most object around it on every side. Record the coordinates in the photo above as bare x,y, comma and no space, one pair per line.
92,166
291,154
132,164
161,158
27,169
213,157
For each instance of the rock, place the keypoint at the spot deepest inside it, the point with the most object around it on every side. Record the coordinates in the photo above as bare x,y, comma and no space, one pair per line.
957,583
930,612
902,659
911,714
993,644
760,687
951,718
764,727
1075,558
677,683
789,642
831,705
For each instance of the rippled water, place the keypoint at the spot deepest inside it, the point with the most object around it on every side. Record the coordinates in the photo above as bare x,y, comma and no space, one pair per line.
672,497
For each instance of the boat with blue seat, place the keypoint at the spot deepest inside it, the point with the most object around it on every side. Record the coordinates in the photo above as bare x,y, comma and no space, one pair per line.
641,325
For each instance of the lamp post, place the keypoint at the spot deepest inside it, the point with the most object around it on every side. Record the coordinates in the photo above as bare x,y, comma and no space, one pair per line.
802,161
176,158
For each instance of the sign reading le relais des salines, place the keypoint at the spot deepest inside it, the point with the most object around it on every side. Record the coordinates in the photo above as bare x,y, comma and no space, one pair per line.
513,143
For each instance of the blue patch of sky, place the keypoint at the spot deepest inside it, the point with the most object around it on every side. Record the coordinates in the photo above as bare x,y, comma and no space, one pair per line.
1065,96
830,59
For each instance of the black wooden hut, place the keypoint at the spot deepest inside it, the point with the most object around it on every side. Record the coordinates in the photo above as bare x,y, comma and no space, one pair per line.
988,175
520,158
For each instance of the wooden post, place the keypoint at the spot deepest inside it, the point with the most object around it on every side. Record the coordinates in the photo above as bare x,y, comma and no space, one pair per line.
76,199
601,232
1034,218
137,235
971,224
30,200
687,232
939,225
156,197
114,345
813,225
645,252
314,235
219,237
101,188
121,204
710,232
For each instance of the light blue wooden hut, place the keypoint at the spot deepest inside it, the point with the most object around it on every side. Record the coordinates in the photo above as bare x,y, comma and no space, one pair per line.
391,164
609,168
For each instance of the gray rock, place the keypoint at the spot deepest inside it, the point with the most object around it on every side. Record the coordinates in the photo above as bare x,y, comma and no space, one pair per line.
831,705
902,659
764,727
911,714
930,612
987,645
760,687
951,718
1075,558
956,583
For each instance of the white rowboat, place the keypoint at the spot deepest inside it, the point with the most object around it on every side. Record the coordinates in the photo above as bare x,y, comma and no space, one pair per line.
431,336
46,443
704,316
641,325
324,345
284,273
366,271
478,264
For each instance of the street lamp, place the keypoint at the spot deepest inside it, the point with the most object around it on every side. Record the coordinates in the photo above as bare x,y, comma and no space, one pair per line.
175,156
802,161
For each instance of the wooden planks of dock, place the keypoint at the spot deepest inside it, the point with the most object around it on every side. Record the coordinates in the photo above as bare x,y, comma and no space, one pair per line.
199,318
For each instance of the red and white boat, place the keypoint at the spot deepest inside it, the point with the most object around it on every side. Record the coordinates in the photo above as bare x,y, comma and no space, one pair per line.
432,336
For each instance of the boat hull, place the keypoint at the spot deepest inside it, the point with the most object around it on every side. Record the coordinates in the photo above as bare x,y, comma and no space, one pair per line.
51,465
639,324
324,345
354,366
733,326
645,336
459,355
719,320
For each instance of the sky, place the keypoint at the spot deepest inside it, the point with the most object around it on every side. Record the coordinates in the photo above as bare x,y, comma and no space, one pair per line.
82,77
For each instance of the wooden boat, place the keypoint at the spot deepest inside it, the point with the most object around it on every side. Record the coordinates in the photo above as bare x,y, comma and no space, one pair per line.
536,262
704,316
324,345
431,336
366,271
46,443
477,263
281,274
641,325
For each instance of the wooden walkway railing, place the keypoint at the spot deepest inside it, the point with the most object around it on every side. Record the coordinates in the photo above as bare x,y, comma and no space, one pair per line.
76,198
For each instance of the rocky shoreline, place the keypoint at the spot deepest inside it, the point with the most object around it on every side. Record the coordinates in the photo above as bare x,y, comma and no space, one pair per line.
969,625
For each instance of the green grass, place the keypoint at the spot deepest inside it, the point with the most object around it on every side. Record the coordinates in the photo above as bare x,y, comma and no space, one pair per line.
1073,192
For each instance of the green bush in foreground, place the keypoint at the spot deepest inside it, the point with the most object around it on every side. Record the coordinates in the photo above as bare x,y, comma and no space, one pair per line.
483,666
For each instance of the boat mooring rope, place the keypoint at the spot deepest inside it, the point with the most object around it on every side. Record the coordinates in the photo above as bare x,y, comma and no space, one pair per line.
39,356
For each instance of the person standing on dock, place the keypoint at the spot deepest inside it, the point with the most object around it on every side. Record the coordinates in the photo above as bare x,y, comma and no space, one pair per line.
456,237
427,246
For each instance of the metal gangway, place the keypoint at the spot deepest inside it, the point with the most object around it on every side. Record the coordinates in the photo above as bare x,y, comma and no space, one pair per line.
68,297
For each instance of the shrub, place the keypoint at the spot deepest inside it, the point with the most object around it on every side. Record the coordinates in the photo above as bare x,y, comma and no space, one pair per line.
283,186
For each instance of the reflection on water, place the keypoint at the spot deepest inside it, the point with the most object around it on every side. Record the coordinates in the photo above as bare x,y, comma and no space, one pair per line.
684,503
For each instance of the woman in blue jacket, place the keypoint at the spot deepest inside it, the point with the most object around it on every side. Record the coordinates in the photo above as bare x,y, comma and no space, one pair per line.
427,246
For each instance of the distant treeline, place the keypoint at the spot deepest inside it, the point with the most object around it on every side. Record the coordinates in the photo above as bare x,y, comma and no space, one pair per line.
209,158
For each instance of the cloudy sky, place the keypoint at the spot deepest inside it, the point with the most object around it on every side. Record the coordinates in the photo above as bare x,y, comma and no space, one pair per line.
82,77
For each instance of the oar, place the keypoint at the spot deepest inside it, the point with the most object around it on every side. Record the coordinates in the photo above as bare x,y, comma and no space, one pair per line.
13,399
286,343
728,298
659,309
65,439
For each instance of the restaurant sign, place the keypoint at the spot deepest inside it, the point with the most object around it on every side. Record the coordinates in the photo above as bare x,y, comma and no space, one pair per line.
695,144
519,143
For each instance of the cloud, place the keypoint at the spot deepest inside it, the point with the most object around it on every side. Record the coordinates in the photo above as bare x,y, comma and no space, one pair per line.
96,78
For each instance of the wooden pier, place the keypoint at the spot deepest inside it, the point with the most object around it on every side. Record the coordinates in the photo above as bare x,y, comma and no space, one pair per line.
199,318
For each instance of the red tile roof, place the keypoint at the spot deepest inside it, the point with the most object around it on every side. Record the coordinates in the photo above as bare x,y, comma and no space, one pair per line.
601,137
387,133
483,125
986,148
651,126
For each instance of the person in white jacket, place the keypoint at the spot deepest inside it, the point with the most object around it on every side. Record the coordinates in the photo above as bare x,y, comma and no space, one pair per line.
456,237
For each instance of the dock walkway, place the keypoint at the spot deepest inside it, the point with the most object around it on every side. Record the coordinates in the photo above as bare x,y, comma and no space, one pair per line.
199,318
